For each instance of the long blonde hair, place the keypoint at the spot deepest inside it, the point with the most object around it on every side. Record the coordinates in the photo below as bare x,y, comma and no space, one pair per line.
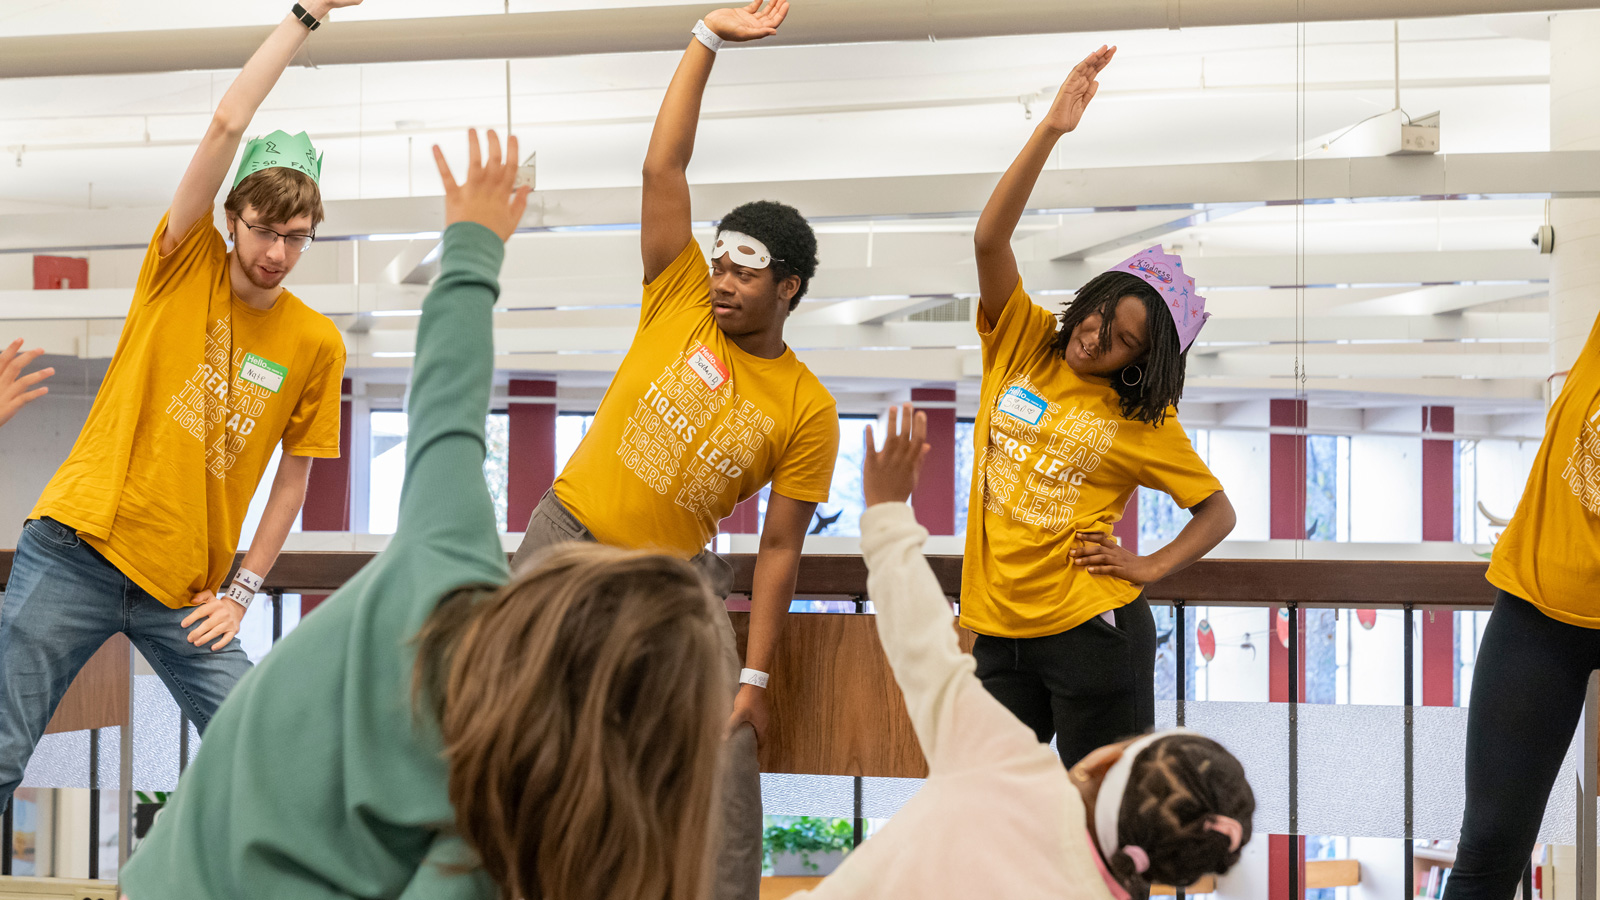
581,708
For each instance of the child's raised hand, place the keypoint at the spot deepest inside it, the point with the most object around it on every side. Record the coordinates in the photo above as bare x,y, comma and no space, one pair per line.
1076,92
890,474
488,196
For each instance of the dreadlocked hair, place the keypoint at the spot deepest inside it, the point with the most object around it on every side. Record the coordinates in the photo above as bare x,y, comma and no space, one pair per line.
785,232
1157,382
1177,785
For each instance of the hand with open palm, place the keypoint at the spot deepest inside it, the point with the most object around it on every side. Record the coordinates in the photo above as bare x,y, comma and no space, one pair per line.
1076,92
748,23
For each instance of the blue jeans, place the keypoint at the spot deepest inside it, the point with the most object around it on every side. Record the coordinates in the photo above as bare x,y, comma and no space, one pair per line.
62,602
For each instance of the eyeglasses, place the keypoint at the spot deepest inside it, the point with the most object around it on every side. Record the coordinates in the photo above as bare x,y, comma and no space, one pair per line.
299,242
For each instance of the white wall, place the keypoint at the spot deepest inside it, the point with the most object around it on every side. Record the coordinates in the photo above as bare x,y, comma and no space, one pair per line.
1235,673
1241,461
1385,488
1383,868
32,445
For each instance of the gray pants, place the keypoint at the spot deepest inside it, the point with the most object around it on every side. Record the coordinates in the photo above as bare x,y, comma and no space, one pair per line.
739,859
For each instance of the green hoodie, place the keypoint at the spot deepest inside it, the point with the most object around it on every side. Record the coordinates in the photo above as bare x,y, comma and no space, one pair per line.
319,777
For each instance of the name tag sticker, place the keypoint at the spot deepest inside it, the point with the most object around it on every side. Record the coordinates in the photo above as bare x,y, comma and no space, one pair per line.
705,364
1021,403
263,372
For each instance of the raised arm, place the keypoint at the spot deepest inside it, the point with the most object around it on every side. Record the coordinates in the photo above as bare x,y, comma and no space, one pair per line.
997,264
451,378
209,167
914,621
664,220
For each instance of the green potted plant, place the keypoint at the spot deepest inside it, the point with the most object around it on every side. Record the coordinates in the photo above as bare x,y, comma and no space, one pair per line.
806,845
144,814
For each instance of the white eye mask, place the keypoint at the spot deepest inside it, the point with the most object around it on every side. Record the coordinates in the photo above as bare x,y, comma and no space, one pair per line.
742,249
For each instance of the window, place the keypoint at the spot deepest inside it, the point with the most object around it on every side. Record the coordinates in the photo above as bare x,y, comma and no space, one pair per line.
965,455
388,472
570,430
841,515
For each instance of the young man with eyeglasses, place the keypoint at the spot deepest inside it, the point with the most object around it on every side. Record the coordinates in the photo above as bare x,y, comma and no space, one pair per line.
216,366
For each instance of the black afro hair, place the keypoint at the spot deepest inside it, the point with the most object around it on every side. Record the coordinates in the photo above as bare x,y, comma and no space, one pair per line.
787,235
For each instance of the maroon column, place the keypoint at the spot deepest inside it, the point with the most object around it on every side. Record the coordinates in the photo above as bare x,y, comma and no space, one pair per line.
745,518
531,450
935,497
1288,491
327,506
1127,529
1288,472
1438,524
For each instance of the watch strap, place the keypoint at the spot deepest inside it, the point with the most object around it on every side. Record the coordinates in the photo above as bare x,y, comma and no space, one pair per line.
306,18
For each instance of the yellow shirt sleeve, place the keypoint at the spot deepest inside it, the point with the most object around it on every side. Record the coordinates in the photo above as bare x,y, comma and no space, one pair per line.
201,249
805,472
684,284
313,428
1022,333
1172,466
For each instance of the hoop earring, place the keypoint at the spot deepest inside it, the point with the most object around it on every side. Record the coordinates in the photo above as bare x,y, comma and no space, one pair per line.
1137,381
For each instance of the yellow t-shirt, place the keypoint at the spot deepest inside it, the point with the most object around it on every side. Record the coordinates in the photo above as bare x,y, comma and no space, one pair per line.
201,390
1548,554
692,425
1054,457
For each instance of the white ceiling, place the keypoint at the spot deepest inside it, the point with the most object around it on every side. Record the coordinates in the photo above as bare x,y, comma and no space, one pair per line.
848,111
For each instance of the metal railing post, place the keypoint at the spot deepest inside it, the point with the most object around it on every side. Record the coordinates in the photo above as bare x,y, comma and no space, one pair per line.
858,831
1181,639
277,614
5,839
1410,740
1295,855
125,780
94,803
1584,834
1180,644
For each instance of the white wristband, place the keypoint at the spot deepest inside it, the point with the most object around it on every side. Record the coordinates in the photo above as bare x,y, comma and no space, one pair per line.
752,676
240,594
248,578
706,36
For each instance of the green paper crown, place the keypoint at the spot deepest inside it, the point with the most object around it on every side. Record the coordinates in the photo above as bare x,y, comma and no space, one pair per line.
280,149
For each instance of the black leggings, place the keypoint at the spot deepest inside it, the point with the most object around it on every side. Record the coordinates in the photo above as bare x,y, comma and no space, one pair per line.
1091,686
1527,697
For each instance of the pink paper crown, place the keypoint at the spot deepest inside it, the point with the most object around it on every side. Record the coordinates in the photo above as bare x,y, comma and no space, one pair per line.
1165,273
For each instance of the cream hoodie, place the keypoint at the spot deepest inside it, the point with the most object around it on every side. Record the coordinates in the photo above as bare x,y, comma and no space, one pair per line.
997,816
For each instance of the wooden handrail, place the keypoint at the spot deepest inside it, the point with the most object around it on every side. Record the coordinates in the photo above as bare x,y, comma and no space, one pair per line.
835,707
1363,584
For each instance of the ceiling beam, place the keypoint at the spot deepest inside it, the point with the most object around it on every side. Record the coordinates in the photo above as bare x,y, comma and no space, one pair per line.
661,28
1571,173
1080,237
880,293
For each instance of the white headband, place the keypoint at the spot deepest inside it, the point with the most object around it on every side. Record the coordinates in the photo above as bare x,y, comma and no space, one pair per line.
1108,803
742,249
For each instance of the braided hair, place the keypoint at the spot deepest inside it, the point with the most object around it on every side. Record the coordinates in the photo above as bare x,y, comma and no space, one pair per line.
1177,786
1158,382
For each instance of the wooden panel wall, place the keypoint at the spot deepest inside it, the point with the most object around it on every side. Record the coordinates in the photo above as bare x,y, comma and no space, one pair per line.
98,697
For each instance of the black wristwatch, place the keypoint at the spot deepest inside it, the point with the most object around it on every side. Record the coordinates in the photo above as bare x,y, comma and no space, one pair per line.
306,19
